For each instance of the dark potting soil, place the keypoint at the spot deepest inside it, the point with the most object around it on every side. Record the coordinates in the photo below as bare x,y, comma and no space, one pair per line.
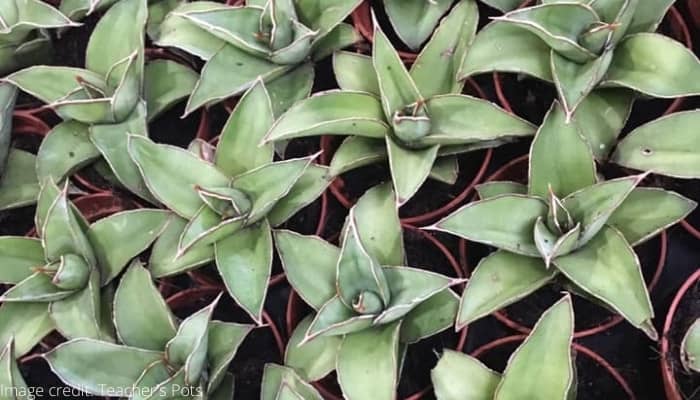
687,312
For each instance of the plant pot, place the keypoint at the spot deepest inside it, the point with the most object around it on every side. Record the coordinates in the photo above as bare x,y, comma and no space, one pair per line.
592,360
347,196
516,170
674,328
296,309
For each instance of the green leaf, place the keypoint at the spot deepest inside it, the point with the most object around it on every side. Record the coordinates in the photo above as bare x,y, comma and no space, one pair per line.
496,188
575,81
559,157
118,34
608,269
224,340
414,20
10,376
368,363
225,389
19,185
335,318
332,113
156,163
647,211
188,348
229,72
66,149
315,359
480,120
244,261
690,348
8,96
655,65
518,51
499,280
395,83
274,376
112,141
310,185
141,317
238,151
206,228
342,36
37,287
648,15
545,356
409,287
79,315
358,271
313,278
96,367
435,69
667,146
355,72
122,236
559,25
177,31
503,6
505,222
62,232
324,16
27,323
458,376
51,84
289,88
355,152
592,206
409,168
166,83
378,225
430,317
601,116
18,257
164,260
445,170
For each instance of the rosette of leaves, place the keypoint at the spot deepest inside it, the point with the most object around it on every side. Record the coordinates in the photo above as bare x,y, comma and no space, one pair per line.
597,53
284,383
368,306
668,146
24,37
541,368
159,357
103,102
417,119
225,199
690,348
62,278
277,40
565,224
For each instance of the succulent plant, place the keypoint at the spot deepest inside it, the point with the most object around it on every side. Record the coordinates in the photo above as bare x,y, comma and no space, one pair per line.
24,39
667,146
690,348
102,103
564,223
283,383
541,368
414,20
411,118
226,199
369,306
597,54
60,278
160,357
277,40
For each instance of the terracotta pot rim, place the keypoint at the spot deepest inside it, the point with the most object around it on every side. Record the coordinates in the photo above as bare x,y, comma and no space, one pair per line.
599,359
670,384
602,326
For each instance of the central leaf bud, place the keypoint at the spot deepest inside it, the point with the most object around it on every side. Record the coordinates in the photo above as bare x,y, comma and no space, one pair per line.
225,201
73,272
368,302
288,40
411,123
